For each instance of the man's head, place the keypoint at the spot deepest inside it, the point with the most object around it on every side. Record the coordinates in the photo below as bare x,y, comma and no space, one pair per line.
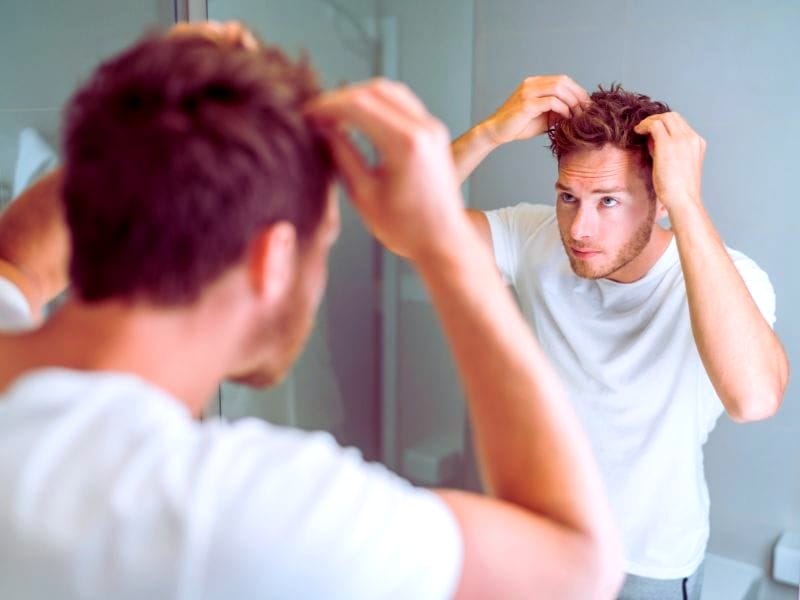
606,205
187,157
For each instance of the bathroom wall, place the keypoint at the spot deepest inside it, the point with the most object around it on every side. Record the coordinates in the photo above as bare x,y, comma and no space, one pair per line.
730,69
48,47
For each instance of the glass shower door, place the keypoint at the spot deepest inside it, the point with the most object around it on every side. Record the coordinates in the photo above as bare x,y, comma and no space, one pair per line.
335,384
377,372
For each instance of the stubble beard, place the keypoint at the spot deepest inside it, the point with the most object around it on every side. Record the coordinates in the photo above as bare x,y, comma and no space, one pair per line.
632,248
286,332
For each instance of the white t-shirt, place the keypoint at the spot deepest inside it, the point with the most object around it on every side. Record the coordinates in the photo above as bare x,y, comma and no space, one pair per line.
111,490
15,314
629,361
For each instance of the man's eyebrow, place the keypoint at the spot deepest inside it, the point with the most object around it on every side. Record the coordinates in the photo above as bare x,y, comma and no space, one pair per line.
609,190
617,190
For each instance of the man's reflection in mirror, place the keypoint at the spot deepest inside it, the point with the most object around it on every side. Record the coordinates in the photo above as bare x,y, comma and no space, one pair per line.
656,330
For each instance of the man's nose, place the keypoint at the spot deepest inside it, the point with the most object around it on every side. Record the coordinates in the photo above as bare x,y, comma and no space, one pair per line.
585,224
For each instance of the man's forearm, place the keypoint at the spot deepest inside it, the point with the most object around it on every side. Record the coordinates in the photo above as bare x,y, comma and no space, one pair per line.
34,242
470,149
530,446
742,355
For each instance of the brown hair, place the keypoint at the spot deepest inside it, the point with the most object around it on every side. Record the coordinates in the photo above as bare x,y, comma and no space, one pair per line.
609,119
177,152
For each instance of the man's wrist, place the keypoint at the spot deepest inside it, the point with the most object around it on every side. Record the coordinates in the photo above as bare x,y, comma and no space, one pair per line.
484,135
684,209
448,246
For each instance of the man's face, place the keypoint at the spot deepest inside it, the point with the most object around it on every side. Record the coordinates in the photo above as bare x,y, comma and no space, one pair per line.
605,214
287,328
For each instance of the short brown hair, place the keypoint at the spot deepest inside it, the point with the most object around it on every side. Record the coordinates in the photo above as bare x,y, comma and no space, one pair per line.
177,152
609,119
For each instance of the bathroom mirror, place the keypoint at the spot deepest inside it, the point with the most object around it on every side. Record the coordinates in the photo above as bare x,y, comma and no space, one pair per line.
377,373
726,67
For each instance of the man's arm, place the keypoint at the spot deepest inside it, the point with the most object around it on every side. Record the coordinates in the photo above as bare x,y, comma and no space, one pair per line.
480,222
742,355
548,528
34,242
534,106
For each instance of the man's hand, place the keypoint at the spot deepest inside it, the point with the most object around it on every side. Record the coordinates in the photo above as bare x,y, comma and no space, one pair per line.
410,199
750,379
229,33
678,153
535,106
34,242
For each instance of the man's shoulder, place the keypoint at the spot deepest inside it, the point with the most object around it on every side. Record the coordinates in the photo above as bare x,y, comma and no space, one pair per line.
523,220
526,210
144,452
41,396
740,258
752,273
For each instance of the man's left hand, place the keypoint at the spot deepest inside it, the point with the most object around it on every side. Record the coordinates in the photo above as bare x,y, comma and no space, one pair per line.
678,153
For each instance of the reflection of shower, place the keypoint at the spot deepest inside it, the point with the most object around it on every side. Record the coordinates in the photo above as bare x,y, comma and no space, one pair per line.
379,46
366,44
365,34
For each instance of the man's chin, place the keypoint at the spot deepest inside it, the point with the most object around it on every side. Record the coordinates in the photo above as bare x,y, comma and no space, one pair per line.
581,271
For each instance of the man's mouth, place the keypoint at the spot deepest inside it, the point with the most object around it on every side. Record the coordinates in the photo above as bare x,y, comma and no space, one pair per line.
584,253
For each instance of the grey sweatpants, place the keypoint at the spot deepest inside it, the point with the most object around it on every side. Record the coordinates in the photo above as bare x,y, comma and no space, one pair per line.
643,588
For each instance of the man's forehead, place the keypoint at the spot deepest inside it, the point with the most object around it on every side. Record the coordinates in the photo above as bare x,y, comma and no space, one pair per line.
607,166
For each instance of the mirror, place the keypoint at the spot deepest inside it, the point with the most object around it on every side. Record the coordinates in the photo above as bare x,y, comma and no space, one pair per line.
377,372
722,66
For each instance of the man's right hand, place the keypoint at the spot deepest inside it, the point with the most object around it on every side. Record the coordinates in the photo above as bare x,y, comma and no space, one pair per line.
410,199
535,106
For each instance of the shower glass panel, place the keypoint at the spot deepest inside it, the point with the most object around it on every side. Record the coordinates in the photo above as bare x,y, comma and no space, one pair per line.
335,384
377,372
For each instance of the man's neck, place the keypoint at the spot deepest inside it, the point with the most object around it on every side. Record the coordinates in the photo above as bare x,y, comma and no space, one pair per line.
174,349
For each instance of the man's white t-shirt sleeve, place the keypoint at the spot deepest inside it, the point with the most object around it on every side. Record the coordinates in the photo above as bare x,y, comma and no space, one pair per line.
763,294
511,227
15,313
758,284
301,517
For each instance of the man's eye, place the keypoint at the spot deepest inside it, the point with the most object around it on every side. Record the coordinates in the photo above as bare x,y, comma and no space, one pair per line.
609,202
565,197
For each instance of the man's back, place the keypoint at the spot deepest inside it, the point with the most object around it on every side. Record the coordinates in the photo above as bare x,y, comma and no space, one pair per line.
111,489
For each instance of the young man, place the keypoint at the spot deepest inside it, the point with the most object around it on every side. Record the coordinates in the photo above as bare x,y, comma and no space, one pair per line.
656,331
197,194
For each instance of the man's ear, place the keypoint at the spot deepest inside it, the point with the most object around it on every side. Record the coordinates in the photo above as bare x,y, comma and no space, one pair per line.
272,261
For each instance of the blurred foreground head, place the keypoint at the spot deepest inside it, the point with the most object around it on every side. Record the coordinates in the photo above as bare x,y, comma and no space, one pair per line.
178,151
